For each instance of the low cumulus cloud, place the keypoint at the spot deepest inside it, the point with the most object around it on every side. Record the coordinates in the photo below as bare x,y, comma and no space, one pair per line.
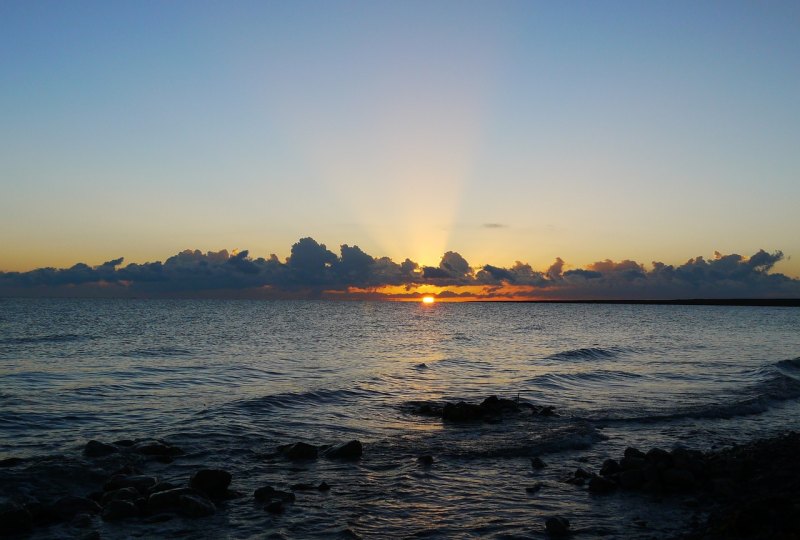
313,270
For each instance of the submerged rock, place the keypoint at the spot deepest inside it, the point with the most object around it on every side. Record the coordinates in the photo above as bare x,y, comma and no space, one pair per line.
141,483
557,526
537,463
14,519
425,461
275,507
99,449
193,505
167,500
157,448
269,493
349,451
67,507
120,509
491,409
212,482
299,451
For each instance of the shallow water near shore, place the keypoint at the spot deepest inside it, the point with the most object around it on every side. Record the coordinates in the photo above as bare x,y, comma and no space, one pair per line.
228,381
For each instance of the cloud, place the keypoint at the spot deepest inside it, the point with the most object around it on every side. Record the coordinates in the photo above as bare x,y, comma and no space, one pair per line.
494,226
312,270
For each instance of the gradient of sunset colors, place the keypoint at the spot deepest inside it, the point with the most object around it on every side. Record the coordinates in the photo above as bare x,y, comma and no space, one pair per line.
504,131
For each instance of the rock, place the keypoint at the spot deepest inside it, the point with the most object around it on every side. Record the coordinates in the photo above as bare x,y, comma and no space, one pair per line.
661,458
126,443
534,488
122,494
349,451
537,463
303,487
299,451
275,507
157,448
141,483
192,505
162,486
609,467
82,521
462,412
634,453
631,479
582,473
14,518
269,493
557,526
94,535
323,486
10,462
166,500
425,461
213,482
98,449
628,463
599,484
67,507
120,509
680,479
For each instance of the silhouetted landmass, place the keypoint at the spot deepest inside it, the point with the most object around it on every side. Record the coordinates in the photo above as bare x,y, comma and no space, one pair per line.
765,302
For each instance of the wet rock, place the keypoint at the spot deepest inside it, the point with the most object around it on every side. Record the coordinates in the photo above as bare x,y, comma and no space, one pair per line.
120,509
534,488
67,507
557,526
212,482
270,493
141,483
10,462
275,507
14,518
537,463
599,484
299,451
661,458
631,479
122,494
323,486
193,505
628,463
349,451
157,448
162,486
99,449
166,500
425,461
610,467
680,479
462,412
631,452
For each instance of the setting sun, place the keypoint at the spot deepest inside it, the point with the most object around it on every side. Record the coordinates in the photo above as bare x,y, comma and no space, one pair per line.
428,300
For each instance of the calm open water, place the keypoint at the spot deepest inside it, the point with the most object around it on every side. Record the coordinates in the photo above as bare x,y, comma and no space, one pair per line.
228,381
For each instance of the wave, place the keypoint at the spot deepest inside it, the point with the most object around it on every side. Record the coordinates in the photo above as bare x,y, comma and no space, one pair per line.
289,400
157,352
52,338
587,353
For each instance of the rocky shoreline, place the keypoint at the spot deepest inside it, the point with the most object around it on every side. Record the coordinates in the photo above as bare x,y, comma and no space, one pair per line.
748,491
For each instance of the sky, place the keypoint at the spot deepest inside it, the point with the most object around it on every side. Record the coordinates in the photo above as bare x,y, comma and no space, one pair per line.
500,131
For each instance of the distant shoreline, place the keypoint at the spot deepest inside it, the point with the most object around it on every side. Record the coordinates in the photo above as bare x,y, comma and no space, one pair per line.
756,302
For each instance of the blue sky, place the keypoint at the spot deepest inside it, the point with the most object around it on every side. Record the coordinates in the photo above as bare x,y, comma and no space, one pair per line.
587,130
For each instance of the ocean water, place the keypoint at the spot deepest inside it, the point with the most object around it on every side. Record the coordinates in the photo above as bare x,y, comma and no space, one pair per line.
228,381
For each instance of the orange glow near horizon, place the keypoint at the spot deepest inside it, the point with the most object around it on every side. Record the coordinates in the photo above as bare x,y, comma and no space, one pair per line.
450,293
428,300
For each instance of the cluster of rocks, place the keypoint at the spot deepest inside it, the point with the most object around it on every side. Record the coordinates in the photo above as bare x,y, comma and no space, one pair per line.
300,451
491,409
155,449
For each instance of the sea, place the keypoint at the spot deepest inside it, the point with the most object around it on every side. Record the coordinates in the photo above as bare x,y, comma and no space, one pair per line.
228,381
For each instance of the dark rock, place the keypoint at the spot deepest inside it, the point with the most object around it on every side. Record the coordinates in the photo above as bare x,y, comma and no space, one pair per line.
82,521
193,505
303,487
122,494
120,509
14,518
157,518
537,463
164,501
680,479
462,412
582,473
609,467
126,443
299,451
631,479
323,486
94,535
127,470
349,451
10,462
634,453
213,482
157,448
557,526
98,449
275,507
534,488
661,458
599,484
546,410
426,460
140,482
269,493
67,507
162,486
628,463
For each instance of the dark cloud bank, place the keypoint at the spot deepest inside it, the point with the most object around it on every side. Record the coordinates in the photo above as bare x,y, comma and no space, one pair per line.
314,271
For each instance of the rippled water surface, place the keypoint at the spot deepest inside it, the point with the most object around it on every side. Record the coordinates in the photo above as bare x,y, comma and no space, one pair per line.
230,380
